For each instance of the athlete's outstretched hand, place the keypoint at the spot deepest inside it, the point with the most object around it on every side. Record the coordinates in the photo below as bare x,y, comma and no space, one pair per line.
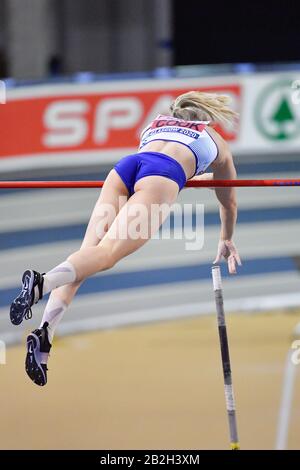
227,249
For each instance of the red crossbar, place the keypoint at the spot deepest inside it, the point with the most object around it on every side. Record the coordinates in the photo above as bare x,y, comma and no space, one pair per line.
189,184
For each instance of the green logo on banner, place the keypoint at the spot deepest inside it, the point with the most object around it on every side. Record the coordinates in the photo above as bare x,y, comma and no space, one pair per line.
276,116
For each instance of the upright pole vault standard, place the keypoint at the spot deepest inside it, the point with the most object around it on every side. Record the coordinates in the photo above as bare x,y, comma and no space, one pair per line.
189,184
285,411
229,396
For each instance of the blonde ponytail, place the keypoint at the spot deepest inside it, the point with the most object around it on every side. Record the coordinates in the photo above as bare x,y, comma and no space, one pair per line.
198,106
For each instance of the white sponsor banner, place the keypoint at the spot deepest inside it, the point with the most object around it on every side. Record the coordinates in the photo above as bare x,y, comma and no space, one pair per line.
80,124
270,114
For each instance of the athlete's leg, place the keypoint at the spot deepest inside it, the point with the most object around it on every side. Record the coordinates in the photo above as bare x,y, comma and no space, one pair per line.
118,242
150,191
112,197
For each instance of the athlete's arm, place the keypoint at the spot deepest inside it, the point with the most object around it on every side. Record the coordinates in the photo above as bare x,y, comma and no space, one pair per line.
223,168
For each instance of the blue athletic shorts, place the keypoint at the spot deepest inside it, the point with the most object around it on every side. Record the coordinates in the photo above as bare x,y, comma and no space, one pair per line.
134,167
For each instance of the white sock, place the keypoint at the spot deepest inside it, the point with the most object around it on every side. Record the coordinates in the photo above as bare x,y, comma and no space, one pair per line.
54,311
62,274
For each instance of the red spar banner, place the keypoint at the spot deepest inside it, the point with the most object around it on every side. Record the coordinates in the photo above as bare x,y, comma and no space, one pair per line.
87,121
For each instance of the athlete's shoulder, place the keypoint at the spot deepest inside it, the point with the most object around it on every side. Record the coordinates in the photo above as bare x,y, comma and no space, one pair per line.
221,142
223,147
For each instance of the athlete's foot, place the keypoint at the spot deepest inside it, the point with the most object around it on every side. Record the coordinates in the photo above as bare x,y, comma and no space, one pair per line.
38,348
31,293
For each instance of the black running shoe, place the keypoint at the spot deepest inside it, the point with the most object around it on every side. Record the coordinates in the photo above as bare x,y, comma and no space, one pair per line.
31,293
38,345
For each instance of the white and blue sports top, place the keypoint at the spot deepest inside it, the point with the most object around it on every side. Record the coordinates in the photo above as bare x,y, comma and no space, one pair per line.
192,134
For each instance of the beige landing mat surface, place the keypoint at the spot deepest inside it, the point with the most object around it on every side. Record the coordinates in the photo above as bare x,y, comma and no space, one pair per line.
157,386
